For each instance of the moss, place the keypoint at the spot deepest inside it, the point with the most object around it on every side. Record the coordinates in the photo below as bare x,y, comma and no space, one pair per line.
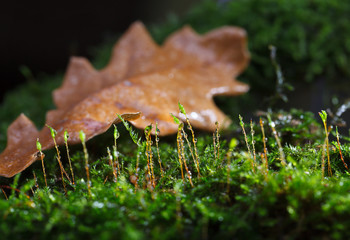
229,199
232,198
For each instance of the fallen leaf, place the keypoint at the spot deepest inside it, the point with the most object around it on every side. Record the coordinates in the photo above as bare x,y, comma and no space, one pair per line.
140,77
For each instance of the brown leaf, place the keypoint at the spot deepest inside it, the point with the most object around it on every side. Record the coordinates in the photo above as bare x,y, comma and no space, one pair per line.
141,77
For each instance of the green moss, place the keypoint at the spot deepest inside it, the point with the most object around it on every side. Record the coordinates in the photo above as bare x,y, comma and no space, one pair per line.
232,199
309,35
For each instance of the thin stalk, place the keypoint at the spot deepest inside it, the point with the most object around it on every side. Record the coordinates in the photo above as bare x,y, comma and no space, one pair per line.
157,146
4,193
110,158
246,142
104,182
253,141
194,140
328,157
323,157
31,189
179,149
115,151
214,146
115,163
189,174
35,180
341,155
137,169
41,156
63,172
86,157
280,149
14,190
265,164
323,115
134,178
265,149
149,154
179,142
217,140
66,136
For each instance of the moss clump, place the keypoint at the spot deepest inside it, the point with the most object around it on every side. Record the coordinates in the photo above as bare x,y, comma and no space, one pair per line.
231,198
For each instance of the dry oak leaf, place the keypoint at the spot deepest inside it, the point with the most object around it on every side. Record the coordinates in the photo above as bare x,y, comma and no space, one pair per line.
140,77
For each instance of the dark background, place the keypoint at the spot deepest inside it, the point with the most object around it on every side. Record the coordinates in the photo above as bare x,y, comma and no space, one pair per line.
42,35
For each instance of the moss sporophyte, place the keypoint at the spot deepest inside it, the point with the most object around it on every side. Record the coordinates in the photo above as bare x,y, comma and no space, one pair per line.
228,200
166,192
